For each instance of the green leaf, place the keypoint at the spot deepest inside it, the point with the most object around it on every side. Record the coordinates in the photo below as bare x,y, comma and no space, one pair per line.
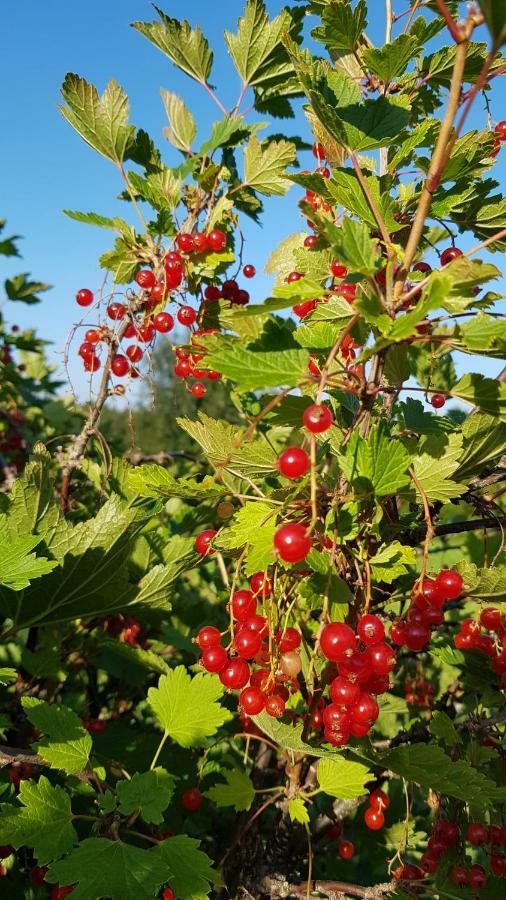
19,287
188,50
429,766
157,481
354,247
67,745
391,60
237,792
161,189
494,12
487,394
101,121
484,332
484,443
148,792
182,129
363,126
7,674
282,260
43,823
298,291
254,526
289,737
265,166
252,370
18,567
435,464
442,727
136,656
228,132
377,465
102,868
257,49
191,873
347,191
92,218
391,561
187,708
219,440
343,778
341,25
420,136
487,584
297,810
122,260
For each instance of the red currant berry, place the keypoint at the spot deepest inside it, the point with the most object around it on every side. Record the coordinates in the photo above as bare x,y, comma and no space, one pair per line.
337,269
158,292
293,462
200,242
381,658
293,276
356,667
422,267
217,240
198,390
289,639
370,629
398,633
310,241
431,595
335,832
145,278
448,831
429,863
134,353
212,293
120,365
260,584
450,584
116,311
86,350
416,636
275,706
163,322
59,893
374,819
344,692
378,799
230,289
337,641
203,542
182,368
476,878
243,605
249,271
92,336
214,659
449,255
317,418
366,709
292,542
346,849
437,401
192,799
252,701
241,298
247,643
257,623
92,364
168,894
319,151
236,674
477,834
186,316
84,297
491,618
500,129
185,242
38,875
208,636
498,865
146,332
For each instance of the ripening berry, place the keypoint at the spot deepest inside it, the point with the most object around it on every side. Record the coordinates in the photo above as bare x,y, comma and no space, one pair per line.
450,583
293,462
370,629
145,279
249,271
317,418
449,255
84,297
292,542
217,240
260,584
337,641
459,876
203,542
198,390
163,322
120,365
236,674
290,663
185,242
208,636
374,819
134,353
192,799
275,706
116,311
437,401
476,878
214,659
186,316
252,701
346,849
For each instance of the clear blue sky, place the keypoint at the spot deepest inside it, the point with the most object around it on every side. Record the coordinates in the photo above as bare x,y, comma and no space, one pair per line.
46,166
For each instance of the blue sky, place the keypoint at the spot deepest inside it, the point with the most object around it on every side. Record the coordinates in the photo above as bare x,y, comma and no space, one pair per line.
46,166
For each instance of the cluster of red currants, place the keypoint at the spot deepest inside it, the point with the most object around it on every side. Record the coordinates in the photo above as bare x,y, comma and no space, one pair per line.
487,635
374,816
427,610
446,834
125,629
13,446
364,662
419,692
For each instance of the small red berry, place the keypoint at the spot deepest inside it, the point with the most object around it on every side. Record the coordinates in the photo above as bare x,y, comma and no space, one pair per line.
86,350
379,800
198,390
247,643
459,876
293,276
450,583
422,267
217,240
500,129
437,401
288,640
317,418
416,636
236,674
120,365
92,364
477,834
310,241
476,878
260,584
429,863
374,819
116,311
370,629
168,894
491,618
214,659
366,709
275,706
203,542
208,636
346,849
244,605
293,462
146,332
252,701
185,242
192,799
337,641
344,692
319,151
200,242
449,255
163,322
292,542
249,271
186,315
182,368
145,279
38,875
337,269
381,658
158,292
134,353
84,297
212,293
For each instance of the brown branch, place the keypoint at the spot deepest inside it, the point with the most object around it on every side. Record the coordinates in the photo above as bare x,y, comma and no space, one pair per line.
277,889
13,755
415,535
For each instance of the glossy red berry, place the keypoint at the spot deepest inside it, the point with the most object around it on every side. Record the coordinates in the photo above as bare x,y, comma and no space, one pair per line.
145,278
92,336
275,706
366,708
203,542
185,242
247,643
317,418
116,311
491,618
449,255
198,390
134,353
293,276
374,819
146,332
212,293
450,583
186,316
500,129
337,641
430,595
476,878
257,623
120,365
92,364
429,863
168,894
230,289
292,542
398,633
319,151
200,242
343,691
260,584
208,636
416,636
182,368
244,605
382,658
214,659
293,462
289,639
422,267
356,667
346,849
477,834
370,629
192,799
163,322
236,674
498,865
252,701
459,876
448,831
249,271
310,241
337,269
84,297
437,401
217,240
86,350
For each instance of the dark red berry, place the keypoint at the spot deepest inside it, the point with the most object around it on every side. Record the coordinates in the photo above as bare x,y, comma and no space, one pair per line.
120,365
346,849
429,863
163,322
116,311
212,293
422,267
450,583
84,297
449,255
260,584
214,659
437,401
252,701
217,240
145,278
292,542
293,462
203,542
337,641
459,876
192,799
416,636
491,618
374,819
476,878
477,834
249,271
317,418
186,315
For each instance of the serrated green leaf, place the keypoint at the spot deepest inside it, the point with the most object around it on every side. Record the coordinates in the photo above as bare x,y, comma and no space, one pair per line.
147,792
343,778
377,465
391,561
420,136
484,332
18,566
341,26
354,247
136,656
346,190
252,370
297,811
254,526
156,481
441,726
7,674
101,121
122,260
435,464
43,822
182,128
219,441
282,260
67,744
162,189
487,584
484,442
102,868
19,287
257,49
265,166
487,394
237,792
191,872
391,60
187,708
290,737
92,218
188,49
